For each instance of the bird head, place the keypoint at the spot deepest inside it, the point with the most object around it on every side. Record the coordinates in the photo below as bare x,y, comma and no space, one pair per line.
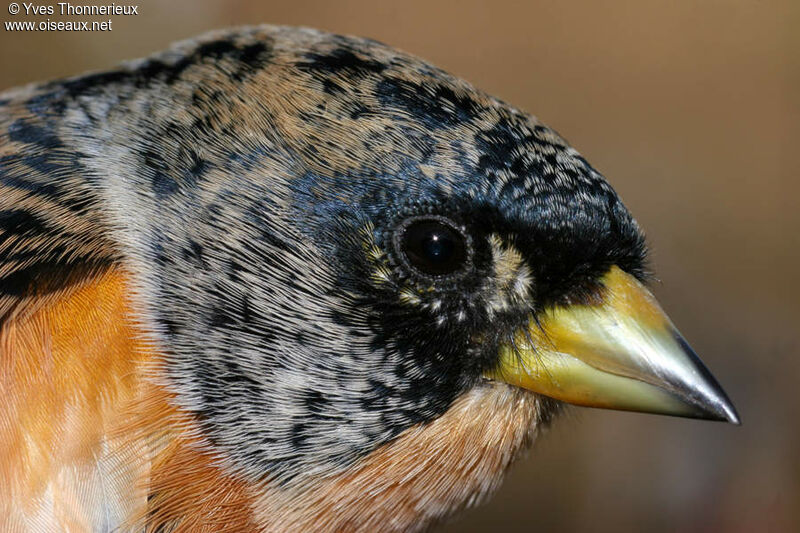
335,241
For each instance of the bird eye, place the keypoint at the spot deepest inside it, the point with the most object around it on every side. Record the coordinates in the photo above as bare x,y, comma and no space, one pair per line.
433,245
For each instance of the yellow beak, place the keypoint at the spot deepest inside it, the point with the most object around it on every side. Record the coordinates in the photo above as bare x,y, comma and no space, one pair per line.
621,353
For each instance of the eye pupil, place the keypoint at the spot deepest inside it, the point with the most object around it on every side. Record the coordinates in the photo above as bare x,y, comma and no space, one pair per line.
437,247
434,246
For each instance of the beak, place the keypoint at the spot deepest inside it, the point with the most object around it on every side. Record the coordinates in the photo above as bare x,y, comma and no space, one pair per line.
620,353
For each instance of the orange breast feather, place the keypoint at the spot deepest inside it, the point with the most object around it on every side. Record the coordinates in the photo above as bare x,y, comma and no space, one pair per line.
89,439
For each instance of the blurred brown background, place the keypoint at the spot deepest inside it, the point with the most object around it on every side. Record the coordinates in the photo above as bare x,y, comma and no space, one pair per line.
692,111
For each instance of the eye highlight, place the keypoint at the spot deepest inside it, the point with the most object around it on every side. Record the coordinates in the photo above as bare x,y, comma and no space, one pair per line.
433,245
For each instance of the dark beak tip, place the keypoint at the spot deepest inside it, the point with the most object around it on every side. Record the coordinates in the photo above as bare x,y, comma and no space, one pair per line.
728,417
719,406
731,416
726,409
723,412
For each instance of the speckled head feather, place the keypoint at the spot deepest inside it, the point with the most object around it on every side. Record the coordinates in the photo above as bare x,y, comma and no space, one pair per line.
252,182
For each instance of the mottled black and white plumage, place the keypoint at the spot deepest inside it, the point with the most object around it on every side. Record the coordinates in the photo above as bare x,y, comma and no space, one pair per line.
252,183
